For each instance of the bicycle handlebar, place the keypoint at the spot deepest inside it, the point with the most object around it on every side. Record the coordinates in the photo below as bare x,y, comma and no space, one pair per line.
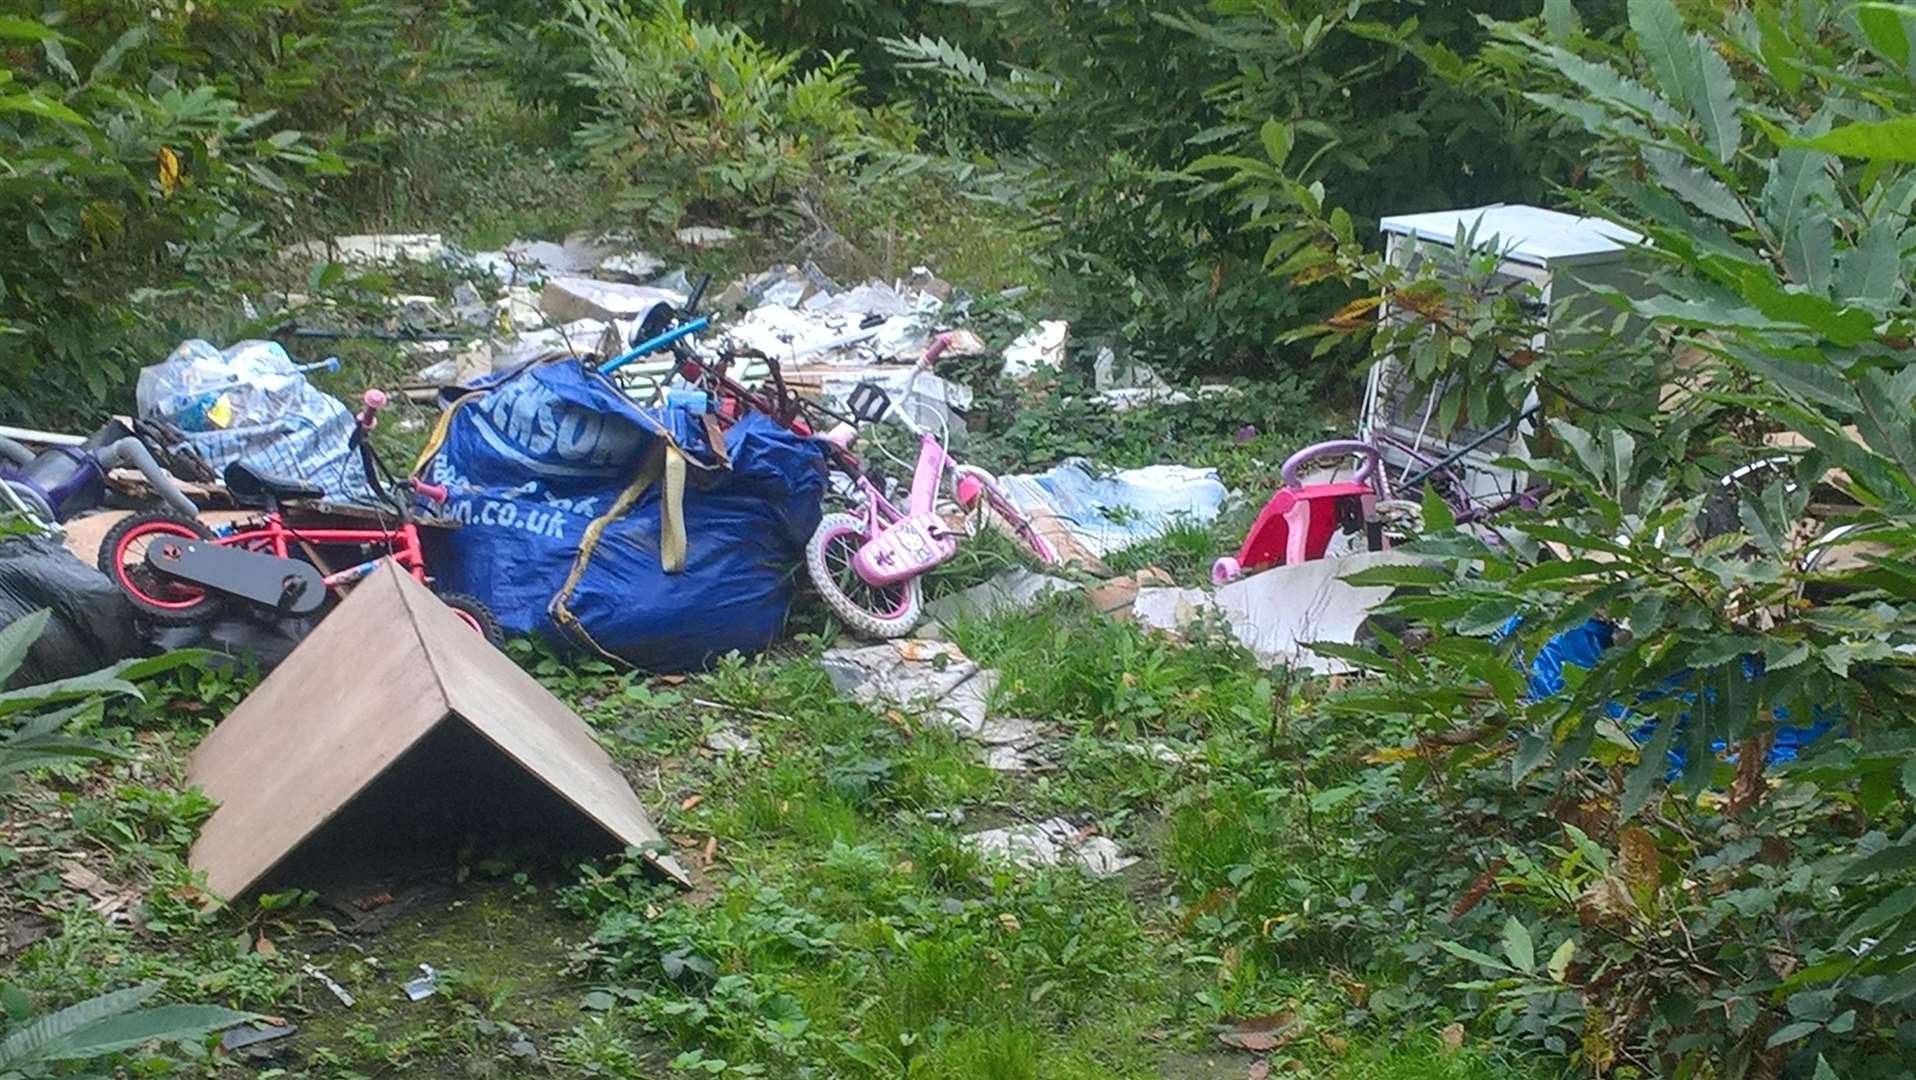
1336,447
375,400
433,493
698,291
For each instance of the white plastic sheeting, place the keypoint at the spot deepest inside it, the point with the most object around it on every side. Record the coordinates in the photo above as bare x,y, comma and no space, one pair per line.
1112,512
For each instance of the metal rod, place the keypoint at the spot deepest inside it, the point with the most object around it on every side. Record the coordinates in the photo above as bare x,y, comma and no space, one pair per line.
1458,455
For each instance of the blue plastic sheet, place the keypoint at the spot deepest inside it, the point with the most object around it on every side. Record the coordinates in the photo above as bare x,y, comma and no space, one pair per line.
1582,647
1108,513
534,457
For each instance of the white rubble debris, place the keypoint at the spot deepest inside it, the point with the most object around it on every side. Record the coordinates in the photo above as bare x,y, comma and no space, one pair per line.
1108,372
931,678
934,401
635,267
417,311
1126,398
528,262
1161,752
1056,842
871,298
705,236
1013,745
1013,590
465,364
925,281
569,298
579,336
1171,608
1042,346
727,740
374,248
517,310
936,681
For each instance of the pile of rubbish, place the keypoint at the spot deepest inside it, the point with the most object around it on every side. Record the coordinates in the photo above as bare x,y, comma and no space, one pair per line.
598,476
550,494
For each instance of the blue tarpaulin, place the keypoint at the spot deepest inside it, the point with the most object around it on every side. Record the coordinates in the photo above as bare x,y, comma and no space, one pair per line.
1582,647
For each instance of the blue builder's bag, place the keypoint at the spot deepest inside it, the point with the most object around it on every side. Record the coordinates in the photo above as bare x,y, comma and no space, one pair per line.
645,535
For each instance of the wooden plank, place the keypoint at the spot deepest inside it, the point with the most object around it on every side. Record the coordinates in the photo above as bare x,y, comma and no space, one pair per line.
530,726
329,719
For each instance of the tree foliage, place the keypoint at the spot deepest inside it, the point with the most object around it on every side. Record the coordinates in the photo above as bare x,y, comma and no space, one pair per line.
149,146
1745,528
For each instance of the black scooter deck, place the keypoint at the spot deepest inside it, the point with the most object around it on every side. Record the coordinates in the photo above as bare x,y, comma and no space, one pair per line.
284,585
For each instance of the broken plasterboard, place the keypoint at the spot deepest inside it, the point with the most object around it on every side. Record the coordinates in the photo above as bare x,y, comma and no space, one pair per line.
1055,842
932,678
1277,613
391,675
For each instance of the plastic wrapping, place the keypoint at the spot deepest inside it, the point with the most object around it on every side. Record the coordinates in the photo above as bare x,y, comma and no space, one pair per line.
201,388
252,402
91,626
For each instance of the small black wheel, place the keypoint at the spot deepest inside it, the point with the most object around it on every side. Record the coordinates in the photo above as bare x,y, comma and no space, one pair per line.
122,559
477,615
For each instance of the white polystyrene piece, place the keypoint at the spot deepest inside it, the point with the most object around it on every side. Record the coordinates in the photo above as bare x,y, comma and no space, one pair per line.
1525,233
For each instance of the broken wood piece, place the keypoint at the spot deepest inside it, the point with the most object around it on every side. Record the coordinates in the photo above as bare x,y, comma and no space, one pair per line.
390,692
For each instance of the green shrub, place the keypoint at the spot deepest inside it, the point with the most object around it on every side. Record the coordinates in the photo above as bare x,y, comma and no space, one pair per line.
1715,918
693,119
151,148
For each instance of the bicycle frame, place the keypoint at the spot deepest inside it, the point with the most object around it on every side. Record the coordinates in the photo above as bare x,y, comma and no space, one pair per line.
1467,508
276,537
905,545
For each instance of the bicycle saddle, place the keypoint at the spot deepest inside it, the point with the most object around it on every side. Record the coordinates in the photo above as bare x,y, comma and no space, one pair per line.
253,487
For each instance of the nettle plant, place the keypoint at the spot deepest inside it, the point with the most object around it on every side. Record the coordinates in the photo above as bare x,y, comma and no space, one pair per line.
1743,526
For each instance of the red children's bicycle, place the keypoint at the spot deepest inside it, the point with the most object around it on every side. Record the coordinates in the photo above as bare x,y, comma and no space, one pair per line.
177,570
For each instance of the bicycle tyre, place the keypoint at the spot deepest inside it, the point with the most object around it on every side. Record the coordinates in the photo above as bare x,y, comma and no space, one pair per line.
871,611
474,613
166,603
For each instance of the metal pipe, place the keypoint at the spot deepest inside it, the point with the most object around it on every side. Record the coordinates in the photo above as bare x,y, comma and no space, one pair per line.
133,453
15,452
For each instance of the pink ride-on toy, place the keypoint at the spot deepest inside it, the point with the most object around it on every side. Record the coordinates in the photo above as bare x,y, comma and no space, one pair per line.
1297,525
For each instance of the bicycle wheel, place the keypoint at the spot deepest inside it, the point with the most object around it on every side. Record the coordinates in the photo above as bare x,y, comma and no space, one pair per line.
122,559
474,613
879,611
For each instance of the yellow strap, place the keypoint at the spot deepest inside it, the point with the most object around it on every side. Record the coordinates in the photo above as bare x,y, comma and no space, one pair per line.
672,543
649,472
439,431
663,462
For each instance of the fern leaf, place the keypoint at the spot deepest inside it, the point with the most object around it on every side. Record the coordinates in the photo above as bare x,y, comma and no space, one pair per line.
28,1044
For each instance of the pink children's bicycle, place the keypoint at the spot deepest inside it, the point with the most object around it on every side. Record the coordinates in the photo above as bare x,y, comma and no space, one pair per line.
867,563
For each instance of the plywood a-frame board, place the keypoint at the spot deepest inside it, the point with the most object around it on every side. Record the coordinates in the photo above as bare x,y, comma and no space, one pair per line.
388,668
